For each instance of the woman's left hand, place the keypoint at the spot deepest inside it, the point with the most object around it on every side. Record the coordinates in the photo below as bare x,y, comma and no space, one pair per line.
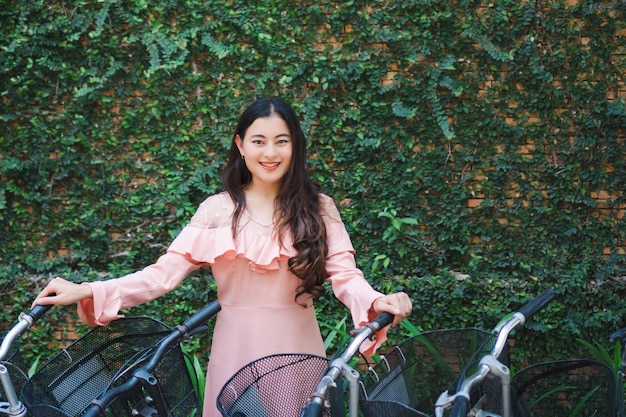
399,304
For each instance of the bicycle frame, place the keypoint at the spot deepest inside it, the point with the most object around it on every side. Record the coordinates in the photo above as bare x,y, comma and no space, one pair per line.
489,365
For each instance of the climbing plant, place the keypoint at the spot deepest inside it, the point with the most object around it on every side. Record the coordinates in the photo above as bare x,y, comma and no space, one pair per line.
475,150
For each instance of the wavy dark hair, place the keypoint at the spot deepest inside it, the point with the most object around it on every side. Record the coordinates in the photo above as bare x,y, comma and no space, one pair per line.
298,202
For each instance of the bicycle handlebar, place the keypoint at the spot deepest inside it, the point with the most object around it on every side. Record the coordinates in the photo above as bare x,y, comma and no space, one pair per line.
619,335
26,320
14,406
537,304
39,310
460,401
313,408
383,320
198,319
201,316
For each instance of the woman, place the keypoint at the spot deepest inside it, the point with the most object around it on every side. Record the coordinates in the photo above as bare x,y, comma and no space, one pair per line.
271,240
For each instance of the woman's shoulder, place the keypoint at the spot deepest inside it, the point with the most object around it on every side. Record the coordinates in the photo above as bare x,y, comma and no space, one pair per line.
215,211
329,208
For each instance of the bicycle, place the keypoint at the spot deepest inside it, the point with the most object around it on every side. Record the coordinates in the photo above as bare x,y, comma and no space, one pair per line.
281,384
132,367
468,400
407,380
407,377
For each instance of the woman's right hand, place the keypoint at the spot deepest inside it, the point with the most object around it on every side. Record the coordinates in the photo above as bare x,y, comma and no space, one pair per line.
62,292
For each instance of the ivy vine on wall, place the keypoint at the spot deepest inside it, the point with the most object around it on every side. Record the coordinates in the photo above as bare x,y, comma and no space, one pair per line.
459,138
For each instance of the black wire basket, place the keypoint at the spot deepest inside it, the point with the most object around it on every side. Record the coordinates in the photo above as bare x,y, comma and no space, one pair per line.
104,358
276,386
576,387
407,381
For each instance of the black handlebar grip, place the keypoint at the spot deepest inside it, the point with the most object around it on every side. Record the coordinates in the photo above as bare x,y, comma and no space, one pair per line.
312,409
40,310
384,319
93,411
461,407
619,335
202,316
537,303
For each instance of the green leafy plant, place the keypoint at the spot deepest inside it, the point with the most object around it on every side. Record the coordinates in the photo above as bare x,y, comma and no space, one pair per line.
34,366
197,372
600,353
491,134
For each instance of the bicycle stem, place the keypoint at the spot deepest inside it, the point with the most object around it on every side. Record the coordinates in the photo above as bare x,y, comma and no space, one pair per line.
490,364
339,366
15,407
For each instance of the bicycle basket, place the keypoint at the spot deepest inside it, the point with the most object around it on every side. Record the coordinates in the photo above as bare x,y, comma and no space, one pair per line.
407,381
103,358
275,386
576,387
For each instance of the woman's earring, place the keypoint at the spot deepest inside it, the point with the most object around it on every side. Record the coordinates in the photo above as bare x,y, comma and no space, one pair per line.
243,157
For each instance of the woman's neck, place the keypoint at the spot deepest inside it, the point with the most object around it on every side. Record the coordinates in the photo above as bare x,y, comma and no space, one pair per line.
261,203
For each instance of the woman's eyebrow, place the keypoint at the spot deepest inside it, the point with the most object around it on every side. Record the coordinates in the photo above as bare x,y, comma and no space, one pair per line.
260,135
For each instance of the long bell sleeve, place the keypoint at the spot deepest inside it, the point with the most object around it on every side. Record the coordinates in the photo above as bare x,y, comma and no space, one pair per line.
111,296
348,283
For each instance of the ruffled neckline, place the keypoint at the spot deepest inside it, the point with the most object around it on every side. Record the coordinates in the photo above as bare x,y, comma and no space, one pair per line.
209,245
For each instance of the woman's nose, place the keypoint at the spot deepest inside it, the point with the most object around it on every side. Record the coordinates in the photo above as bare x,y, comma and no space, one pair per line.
270,150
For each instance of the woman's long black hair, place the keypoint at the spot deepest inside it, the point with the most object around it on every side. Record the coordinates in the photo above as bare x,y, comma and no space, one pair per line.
298,202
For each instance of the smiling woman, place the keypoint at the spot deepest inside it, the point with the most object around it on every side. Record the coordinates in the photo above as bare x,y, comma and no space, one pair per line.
271,240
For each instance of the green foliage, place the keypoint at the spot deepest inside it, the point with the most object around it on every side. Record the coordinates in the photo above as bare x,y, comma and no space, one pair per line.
197,372
600,353
476,150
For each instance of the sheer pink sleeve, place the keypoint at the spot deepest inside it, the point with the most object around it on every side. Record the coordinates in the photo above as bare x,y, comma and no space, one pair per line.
348,282
109,297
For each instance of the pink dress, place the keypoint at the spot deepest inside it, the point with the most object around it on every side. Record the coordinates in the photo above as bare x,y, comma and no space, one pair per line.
259,315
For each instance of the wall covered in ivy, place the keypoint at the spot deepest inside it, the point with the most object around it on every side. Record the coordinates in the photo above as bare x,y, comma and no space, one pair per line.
476,150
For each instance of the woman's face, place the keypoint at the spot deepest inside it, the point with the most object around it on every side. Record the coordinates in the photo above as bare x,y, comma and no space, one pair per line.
266,149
